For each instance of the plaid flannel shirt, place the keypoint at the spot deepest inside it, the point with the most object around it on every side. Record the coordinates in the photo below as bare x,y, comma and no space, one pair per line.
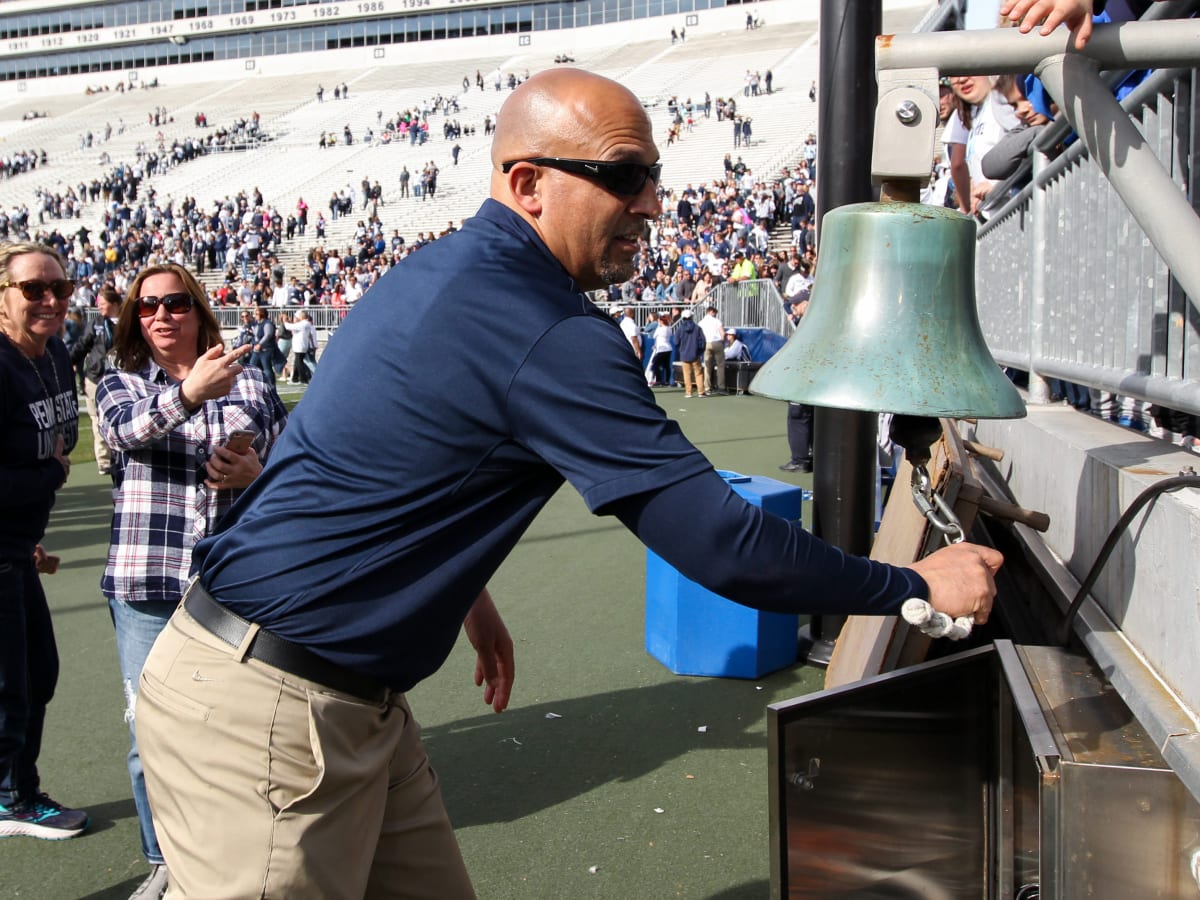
162,506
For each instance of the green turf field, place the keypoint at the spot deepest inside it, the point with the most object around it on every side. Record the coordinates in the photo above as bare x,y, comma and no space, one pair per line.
621,795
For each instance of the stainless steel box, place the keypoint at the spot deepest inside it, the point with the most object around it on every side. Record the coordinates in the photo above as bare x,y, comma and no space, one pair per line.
1003,772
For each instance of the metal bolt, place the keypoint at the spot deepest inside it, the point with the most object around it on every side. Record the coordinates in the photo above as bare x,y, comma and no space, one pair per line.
908,113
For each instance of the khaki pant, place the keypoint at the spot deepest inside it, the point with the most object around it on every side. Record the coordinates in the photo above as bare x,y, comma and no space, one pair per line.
692,371
266,785
714,365
102,450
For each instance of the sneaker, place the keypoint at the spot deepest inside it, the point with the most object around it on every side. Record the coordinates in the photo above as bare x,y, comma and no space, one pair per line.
154,886
42,818
803,467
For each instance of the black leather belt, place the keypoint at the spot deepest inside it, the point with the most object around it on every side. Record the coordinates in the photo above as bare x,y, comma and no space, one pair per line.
276,651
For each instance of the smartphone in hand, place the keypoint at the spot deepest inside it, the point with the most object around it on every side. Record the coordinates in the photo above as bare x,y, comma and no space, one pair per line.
239,441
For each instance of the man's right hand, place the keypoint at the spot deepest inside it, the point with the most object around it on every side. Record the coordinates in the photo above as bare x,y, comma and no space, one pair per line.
960,579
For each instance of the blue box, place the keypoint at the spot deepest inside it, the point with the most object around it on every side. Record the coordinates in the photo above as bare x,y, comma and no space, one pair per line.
693,631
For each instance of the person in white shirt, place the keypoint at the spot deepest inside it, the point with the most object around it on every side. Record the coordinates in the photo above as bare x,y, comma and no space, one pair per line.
798,286
304,346
735,350
951,166
354,291
714,351
660,361
630,330
987,116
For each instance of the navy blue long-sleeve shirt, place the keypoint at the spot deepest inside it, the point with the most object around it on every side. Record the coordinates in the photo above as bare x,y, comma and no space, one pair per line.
412,467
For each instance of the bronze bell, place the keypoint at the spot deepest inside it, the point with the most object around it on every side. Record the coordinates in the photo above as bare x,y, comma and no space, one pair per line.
892,325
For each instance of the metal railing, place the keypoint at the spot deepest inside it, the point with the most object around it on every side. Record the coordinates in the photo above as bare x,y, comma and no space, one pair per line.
946,16
325,319
745,304
739,304
750,304
1070,286
1091,273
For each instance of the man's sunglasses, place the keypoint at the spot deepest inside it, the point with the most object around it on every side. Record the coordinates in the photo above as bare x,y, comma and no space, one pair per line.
33,291
625,178
175,303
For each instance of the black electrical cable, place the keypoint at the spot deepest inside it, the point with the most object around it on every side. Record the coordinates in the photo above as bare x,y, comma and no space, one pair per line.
1063,634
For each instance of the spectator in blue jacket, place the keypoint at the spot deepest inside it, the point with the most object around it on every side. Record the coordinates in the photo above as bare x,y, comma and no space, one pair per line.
689,348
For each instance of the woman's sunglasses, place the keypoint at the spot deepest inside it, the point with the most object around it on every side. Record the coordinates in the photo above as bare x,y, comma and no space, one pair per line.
624,178
175,303
33,291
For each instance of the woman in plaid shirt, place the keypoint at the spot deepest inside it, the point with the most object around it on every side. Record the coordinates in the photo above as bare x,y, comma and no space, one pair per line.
167,412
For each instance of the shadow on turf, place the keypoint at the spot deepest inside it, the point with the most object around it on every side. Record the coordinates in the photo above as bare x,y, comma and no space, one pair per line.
751,890
743,438
105,815
500,768
125,888
82,514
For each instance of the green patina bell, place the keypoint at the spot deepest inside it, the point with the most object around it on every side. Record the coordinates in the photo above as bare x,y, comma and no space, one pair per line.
892,325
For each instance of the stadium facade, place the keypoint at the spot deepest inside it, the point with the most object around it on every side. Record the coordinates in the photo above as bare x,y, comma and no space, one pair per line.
64,47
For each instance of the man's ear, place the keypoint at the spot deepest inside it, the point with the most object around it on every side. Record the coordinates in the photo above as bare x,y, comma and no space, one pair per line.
525,185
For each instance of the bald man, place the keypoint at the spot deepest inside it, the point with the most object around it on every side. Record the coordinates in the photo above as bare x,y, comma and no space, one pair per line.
281,757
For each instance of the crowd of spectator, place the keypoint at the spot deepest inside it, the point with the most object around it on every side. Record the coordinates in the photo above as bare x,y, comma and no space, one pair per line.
720,231
21,161
242,235
14,222
242,133
710,233
411,125
121,87
119,184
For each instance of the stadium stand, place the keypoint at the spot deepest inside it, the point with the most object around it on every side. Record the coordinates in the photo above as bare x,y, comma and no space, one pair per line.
291,165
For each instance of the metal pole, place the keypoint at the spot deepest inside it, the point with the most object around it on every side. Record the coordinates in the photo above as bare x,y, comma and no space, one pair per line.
1039,390
1126,45
844,455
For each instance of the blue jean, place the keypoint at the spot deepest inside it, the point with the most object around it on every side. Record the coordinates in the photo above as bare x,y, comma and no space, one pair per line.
138,625
281,354
28,675
265,360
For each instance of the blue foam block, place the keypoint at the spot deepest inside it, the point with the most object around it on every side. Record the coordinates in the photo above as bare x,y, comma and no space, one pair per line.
693,631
